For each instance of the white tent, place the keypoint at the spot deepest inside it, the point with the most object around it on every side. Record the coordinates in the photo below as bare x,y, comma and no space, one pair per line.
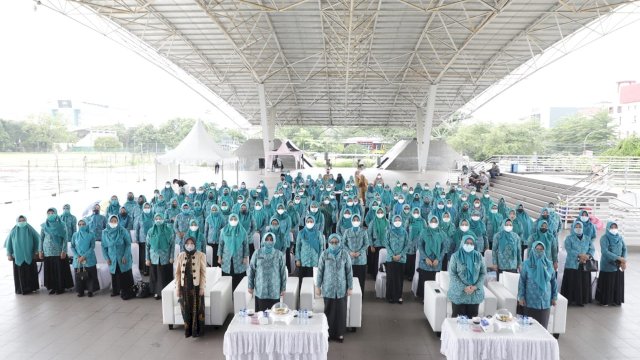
197,148
286,149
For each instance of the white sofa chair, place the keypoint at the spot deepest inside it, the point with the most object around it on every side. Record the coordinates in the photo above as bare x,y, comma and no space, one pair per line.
135,269
310,301
381,277
416,276
506,291
243,300
217,300
437,306
491,275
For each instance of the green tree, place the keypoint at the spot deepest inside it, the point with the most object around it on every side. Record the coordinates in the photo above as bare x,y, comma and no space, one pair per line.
575,133
355,149
43,131
626,147
107,143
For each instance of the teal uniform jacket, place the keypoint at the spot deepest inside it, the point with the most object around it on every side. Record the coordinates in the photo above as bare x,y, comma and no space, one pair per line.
357,240
335,275
506,250
160,247
535,296
397,243
458,280
426,237
83,244
267,274
116,245
241,252
306,252
53,238
574,246
22,244
611,247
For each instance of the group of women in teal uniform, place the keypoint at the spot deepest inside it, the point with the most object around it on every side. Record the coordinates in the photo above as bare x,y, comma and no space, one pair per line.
307,223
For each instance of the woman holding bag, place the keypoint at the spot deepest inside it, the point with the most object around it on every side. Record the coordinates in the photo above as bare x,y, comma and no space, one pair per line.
83,244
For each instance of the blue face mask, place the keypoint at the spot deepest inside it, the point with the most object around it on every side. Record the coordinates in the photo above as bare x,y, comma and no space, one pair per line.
114,202
22,224
185,211
268,246
334,249
51,218
578,231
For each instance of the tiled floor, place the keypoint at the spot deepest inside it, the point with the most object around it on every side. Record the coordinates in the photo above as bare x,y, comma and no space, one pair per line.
42,326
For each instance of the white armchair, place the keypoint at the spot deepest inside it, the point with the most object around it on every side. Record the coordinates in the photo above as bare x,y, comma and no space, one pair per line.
243,300
491,275
217,300
416,276
506,291
381,277
309,300
437,306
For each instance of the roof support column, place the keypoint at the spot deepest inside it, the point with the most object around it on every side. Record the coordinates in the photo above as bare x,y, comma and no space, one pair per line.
268,125
425,116
420,134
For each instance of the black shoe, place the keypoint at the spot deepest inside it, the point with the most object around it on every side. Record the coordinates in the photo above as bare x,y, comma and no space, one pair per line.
114,294
157,297
59,292
51,292
90,294
400,301
80,294
340,339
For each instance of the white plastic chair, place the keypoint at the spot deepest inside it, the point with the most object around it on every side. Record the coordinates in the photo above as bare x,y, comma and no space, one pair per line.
381,277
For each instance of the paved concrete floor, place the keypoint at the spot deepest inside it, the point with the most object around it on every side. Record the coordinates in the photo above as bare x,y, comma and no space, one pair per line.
42,326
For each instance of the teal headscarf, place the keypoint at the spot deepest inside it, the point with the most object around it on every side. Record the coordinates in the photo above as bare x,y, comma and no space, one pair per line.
542,268
545,238
160,235
311,235
259,215
613,239
268,248
338,249
433,239
215,219
235,235
469,259
381,225
55,227
20,236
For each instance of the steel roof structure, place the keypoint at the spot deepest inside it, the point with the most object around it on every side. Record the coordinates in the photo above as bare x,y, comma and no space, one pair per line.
348,62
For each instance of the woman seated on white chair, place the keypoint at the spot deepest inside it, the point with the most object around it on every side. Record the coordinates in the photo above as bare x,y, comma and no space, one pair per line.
267,274
537,289
466,272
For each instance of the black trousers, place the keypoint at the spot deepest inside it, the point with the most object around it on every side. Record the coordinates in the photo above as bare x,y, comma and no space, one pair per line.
142,258
410,267
372,260
265,304
469,310
303,272
424,275
336,312
445,262
395,281
161,276
359,271
235,278
541,315
122,283
576,286
215,256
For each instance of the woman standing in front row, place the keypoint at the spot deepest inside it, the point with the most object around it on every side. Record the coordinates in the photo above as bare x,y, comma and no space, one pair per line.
613,263
233,251
159,255
397,244
268,274
432,250
537,289
335,282
467,271
116,249
22,249
53,248
191,281
576,282
83,244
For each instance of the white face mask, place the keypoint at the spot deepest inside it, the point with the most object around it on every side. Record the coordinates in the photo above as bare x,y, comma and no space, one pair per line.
415,216
584,218
189,247
467,247
276,195
355,224
476,205
166,186
223,207
411,192
464,228
379,216
401,201
233,223
508,228
433,225
297,201
258,208
349,203
397,223
449,205
326,202
446,220
239,201
486,196
347,216
314,210
113,225
475,218
494,211
193,228
440,206
310,226
473,193
280,211
146,211
258,190
464,198
613,231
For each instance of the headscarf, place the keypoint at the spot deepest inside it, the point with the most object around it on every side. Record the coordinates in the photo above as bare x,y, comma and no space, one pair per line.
236,234
504,237
116,235
338,249
613,239
398,231
542,270
433,239
55,227
259,215
160,236
380,226
311,235
469,259
267,250
545,238
22,236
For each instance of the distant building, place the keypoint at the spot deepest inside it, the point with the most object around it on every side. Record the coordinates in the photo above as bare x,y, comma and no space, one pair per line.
87,141
626,111
370,143
549,117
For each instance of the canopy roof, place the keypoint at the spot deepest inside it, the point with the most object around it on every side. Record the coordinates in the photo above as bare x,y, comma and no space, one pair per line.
197,148
350,63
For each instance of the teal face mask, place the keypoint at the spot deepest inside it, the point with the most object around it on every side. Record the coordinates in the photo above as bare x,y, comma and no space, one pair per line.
22,224
51,218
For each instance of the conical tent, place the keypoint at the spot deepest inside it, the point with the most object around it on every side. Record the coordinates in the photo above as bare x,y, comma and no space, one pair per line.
197,148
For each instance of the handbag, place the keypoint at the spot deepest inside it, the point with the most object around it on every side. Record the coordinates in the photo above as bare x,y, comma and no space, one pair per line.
142,289
591,265
82,274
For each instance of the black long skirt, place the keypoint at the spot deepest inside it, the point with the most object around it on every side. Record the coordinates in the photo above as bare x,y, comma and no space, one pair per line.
122,283
576,286
142,258
610,290
235,278
360,272
336,312
372,261
395,270
25,278
160,277
445,262
91,284
265,304
215,255
57,274
409,267
424,275
192,306
541,315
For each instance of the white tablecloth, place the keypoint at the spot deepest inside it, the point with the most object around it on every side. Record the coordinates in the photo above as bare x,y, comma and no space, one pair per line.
532,342
301,339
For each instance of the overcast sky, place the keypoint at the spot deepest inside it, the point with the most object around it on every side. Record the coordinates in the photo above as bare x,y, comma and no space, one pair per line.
46,57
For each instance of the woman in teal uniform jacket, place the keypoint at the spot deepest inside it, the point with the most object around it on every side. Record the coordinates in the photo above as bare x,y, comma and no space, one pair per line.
466,272
506,249
212,227
377,230
267,274
116,249
83,245
613,263
309,245
576,283
159,255
432,250
397,245
233,251
537,288
22,249
356,242
53,248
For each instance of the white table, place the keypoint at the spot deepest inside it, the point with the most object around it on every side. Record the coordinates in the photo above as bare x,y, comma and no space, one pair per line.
300,339
532,342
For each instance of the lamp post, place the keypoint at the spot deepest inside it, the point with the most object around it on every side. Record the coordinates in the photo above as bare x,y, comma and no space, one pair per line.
584,143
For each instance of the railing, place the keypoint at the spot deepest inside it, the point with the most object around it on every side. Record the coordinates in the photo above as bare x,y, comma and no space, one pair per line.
628,218
589,192
625,171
